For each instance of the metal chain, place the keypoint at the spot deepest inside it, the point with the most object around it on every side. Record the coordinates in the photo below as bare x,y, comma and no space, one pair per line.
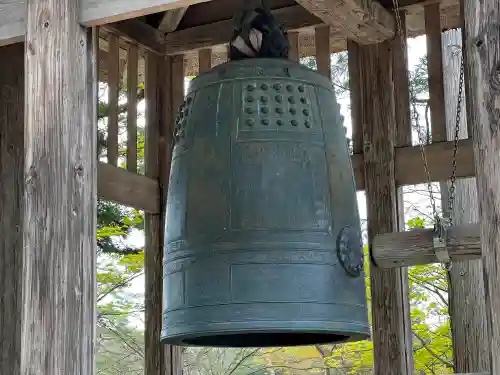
440,223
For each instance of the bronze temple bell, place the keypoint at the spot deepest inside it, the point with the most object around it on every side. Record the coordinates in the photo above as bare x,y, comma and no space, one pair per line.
263,242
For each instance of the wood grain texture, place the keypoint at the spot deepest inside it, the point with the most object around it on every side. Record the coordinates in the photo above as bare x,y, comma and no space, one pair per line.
113,64
389,329
171,19
172,354
323,59
293,17
401,87
293,41
137,32
59,239
91,13
366,22
11,197
466,284
435,72
126,188
132,77
355,94
178,74
205,60
153,261
415,247
483,48
409,167
402,138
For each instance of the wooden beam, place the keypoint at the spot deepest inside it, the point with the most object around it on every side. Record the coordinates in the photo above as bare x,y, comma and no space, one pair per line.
483,51
11,199
59,206
171,19
392,347
415,247
91,13
140,192
129,189
194,38
137,32
410,168
365,22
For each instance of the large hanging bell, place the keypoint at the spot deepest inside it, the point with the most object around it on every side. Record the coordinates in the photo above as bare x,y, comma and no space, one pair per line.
263,244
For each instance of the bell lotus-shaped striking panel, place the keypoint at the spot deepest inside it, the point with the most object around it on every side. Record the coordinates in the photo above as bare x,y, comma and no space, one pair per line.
263,244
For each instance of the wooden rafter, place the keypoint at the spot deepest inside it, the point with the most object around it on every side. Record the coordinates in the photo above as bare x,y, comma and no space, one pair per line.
366,22
171,19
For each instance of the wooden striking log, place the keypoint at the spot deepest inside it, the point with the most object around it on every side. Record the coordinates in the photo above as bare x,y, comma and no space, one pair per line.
415,247
171,19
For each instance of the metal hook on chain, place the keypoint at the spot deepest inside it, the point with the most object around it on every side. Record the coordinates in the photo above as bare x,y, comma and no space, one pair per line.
439,241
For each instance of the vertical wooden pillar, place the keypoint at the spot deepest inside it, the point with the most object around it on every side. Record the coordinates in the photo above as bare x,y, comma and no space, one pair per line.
11,195
204,60
389,320
60,191
293,40
483,47
161,108
153,255
403,138
466,295
435,72
323,60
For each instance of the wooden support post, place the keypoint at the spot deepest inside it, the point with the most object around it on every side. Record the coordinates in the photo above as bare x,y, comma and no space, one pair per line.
113,91
402,115
11,197
389,320
355,91
204,60
160,97
483,51
435,72
466,285
155,356
415,247
177,97
323,59
132,76
59,210
293,40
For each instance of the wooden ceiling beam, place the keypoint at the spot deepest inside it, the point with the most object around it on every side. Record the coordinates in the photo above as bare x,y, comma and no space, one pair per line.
171,20
92,13
363,21
194,38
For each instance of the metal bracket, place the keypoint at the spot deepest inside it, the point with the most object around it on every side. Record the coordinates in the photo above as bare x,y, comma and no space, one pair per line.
439,243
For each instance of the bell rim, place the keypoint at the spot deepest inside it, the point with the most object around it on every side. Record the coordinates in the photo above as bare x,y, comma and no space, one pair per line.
351,331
